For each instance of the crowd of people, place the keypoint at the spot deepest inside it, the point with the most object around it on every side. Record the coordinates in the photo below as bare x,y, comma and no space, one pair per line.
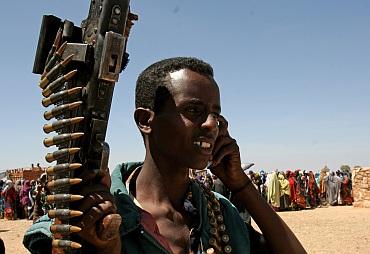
23,199
291,190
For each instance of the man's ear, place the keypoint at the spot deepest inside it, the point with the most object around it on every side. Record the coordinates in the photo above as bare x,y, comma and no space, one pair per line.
143,118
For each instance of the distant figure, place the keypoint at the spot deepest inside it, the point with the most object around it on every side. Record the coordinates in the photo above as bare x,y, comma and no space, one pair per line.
273,191
25,199
9,195
40,206
1,200
322,186
313,190
346,189
284,192
332,188
300,190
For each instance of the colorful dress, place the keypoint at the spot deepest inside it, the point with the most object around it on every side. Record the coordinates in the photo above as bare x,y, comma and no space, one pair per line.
9,195
346,191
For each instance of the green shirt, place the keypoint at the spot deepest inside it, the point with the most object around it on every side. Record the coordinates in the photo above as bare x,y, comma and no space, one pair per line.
136,239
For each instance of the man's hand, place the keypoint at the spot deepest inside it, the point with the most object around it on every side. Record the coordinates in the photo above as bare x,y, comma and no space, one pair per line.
226,163
100,223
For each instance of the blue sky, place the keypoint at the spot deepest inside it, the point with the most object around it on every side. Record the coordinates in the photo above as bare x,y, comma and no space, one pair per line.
294,76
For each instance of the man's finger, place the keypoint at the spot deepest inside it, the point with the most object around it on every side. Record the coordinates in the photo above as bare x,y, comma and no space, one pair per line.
228,149
94,199
108,228
220,142
223,126
96,213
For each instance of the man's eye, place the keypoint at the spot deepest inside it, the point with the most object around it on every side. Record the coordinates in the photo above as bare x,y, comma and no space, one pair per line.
193,110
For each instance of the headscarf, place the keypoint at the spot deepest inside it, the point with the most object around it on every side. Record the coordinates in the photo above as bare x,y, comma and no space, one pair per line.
8,185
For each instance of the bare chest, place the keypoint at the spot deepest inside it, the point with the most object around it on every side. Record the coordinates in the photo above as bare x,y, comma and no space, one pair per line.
176,232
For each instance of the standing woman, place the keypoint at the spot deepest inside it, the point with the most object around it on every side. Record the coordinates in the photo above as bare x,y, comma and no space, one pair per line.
18,209
1,200
284,192
313,190
24,198
346,190
273,191
9,200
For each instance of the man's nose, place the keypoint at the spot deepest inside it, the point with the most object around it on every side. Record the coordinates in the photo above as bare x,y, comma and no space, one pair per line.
211,122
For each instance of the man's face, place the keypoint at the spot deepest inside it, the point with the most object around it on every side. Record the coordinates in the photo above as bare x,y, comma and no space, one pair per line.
185,130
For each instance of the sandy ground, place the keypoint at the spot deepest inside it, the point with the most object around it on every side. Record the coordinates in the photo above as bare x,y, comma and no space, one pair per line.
331,230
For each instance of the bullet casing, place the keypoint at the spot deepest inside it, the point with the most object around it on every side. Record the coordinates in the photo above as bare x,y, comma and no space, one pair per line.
63,198
54,47
56,84
61,109
62,153
53,86
55,58
55,72
64,229
63,182
57,97
65,244
61,124
62,138
62,168
64,213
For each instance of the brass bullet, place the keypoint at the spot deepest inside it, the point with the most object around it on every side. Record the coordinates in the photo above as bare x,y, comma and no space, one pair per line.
56,84
54,72
65,244
213,221
55,45
50,157
64,229
228,249
220,218
61,168
61,124
57,97
63,182
216,207
61,49
212,241
64,213
61,109
63,198
54,59
62,138
225,238
213,231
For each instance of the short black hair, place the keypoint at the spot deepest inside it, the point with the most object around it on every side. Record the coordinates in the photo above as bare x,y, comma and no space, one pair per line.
151,86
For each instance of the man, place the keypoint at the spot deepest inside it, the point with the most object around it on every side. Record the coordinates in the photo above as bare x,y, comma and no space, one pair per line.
178,113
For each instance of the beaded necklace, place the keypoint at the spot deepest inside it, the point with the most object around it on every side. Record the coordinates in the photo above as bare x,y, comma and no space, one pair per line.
219,240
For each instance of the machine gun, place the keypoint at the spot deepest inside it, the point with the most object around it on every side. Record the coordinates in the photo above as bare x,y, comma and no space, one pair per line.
79,67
